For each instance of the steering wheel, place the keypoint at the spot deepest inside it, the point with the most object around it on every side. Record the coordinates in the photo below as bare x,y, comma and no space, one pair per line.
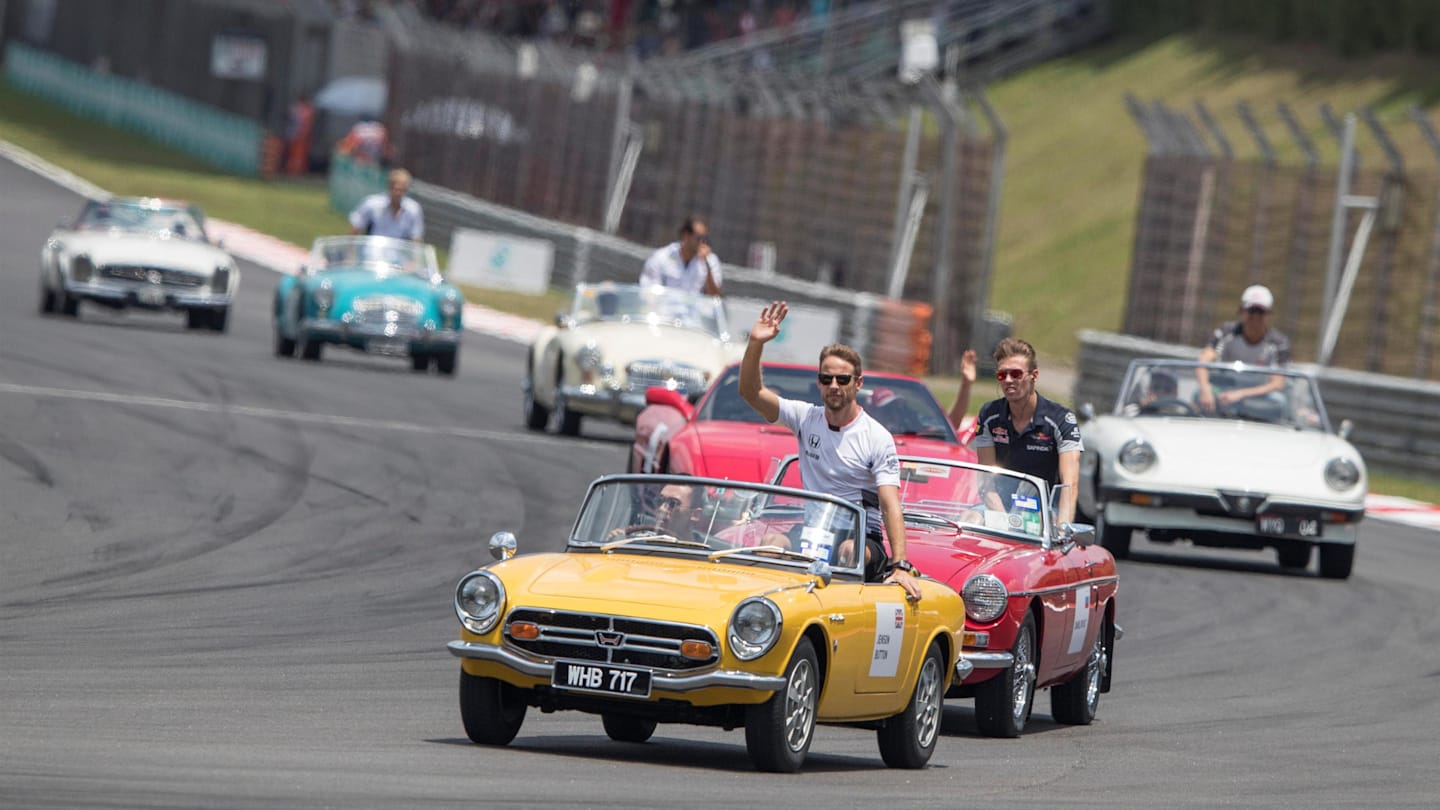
1171,407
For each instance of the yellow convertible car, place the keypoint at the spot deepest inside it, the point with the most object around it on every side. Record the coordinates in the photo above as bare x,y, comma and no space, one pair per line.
704,601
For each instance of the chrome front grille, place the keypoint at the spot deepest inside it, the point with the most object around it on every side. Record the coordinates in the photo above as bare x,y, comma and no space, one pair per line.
381,318
643,374
151,275
611,639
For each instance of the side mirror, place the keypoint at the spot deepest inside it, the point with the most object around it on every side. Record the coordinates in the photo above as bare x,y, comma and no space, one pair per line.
1081,534
561,317
1087,411
502,545
660,395
1346,428
304,270
821,571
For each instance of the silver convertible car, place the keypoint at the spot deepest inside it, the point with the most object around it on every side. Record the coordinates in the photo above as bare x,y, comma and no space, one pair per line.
138,252
1255,464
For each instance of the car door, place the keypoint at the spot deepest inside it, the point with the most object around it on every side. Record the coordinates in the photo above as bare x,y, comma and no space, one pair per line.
874,634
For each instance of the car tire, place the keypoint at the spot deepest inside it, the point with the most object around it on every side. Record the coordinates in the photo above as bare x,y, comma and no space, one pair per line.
310,349
627,729
1294,555
567,422
1116,539
1075,701
284,347
778,732
447,362
1003,703
536,415
47,300
908,739
419,362
68,305
1336,560
219,319
197,319
491,710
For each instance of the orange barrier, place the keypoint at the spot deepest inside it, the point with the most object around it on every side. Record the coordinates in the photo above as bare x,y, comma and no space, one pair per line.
900,337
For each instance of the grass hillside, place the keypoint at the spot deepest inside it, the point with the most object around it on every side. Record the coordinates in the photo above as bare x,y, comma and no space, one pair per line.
1075,155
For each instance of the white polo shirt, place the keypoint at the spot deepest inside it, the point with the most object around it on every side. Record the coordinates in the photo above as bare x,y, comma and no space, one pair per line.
851,463
665,267
373,216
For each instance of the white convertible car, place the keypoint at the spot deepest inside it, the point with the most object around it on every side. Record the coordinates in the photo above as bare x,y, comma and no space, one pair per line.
1260,471
616,341
138,252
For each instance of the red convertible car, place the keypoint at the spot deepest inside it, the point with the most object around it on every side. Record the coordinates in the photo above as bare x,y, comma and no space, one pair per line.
721,436
1040,598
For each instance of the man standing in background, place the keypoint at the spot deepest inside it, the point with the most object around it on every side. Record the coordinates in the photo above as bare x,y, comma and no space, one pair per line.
688,264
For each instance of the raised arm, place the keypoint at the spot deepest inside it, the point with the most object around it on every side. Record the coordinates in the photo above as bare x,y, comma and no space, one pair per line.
752,385
961,408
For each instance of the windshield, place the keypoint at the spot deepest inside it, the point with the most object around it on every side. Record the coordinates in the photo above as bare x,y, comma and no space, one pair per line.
382,255
905,407
745,522
1171,388
153,217
939,494
631,303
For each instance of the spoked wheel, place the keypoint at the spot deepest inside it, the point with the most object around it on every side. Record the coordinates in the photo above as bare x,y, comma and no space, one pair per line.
622,728
778,732
492,710
1075,701
1002,704
908,739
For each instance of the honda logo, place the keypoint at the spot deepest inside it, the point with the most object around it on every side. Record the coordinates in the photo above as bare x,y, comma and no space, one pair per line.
609,638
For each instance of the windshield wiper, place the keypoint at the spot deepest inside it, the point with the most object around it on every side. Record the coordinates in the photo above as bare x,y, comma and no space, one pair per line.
657,537
784,552
932,518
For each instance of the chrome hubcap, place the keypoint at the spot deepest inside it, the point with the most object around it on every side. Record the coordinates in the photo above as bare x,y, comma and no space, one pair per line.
1023,677
928,703
800,706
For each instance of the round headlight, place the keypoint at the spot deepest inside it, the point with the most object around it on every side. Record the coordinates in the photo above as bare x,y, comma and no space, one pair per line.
449,305
589,357
324,296
754,628
479,601
1341,474
1137,456
985,598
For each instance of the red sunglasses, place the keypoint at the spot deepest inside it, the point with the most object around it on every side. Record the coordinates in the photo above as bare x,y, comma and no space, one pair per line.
1004,374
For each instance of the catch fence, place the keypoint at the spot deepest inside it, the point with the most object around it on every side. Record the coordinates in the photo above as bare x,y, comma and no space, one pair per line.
1211,223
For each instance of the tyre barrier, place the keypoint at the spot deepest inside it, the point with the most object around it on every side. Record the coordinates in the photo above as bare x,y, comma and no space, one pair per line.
900,337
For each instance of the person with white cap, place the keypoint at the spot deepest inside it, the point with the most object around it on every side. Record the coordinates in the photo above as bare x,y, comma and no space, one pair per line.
1250,340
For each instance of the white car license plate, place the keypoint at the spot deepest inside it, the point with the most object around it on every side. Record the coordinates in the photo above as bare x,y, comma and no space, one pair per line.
1288,525
151,296
388,346
587,677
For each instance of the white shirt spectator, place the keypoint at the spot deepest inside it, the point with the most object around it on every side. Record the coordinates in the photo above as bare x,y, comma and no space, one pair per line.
666,268
373,216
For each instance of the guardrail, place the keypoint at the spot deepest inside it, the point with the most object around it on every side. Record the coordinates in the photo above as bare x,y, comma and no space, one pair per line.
1395,429
892,335
231,142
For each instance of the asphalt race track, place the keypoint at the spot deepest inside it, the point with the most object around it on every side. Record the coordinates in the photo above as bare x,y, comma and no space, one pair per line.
225,581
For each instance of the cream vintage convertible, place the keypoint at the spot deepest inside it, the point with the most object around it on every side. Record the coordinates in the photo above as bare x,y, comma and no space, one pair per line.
616,341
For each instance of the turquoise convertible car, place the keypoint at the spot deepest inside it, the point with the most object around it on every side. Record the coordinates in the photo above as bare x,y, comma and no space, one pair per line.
374,293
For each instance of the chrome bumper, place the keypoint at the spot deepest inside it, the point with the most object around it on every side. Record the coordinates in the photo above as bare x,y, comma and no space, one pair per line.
985,660
136,295
1119,513
345,332
595,400
660,680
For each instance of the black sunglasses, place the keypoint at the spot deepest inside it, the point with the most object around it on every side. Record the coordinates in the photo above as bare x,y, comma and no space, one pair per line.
1258,311
670,503
843,379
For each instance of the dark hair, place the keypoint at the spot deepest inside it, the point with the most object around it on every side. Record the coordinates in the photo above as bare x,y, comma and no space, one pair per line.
1163,383
688,226
843,352
1015,347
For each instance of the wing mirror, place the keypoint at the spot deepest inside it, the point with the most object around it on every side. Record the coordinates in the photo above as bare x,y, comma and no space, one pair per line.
1081,534
502,545
1087,411
1346,428
821,571
561,318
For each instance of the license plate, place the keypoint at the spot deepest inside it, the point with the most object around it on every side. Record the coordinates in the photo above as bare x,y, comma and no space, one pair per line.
150,296
587,677
388,346
1288,525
